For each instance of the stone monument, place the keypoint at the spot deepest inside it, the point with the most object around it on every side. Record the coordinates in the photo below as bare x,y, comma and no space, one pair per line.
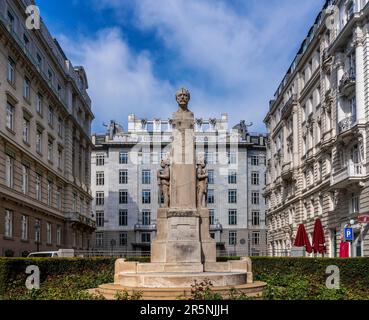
183,250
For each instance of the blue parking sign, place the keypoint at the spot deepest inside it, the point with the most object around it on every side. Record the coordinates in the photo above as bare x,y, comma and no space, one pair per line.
349,235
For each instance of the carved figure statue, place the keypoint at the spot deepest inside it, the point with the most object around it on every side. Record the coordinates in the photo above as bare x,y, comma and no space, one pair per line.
164,182
183,98
202,184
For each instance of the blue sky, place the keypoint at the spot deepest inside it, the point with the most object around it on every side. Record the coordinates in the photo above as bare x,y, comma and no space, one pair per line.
231,54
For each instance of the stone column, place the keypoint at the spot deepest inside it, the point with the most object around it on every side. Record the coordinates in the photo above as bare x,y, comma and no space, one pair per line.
340,73
360,81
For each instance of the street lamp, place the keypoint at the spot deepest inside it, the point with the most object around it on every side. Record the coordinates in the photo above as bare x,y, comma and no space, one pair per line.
112,244
37,232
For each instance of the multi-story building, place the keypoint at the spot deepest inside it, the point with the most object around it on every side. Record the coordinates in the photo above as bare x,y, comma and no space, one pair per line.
45,140
317,156
124,183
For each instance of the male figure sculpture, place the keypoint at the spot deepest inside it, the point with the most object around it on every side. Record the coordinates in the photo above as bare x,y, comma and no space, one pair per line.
202,184
183,98
164,182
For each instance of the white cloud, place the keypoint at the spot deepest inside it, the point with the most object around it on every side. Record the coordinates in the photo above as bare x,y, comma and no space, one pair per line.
231,60
120,80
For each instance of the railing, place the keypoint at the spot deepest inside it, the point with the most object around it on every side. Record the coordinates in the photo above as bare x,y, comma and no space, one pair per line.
77,217
346,124
352,171
288,106
144,227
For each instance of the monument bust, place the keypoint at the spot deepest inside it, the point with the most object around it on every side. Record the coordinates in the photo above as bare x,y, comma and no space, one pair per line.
183,97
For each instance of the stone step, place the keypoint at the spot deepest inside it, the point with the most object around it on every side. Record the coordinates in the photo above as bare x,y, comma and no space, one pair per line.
109,291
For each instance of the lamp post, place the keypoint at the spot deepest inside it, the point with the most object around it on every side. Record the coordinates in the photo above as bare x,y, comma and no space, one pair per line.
112,244
37,232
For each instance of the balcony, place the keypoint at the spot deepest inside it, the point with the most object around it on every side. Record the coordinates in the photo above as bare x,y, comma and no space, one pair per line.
353,173
77,218
347,83
287,172
287,108
144,227
346,124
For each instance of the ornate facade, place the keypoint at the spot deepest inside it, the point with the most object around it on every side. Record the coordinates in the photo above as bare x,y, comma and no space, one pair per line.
317,124
45,143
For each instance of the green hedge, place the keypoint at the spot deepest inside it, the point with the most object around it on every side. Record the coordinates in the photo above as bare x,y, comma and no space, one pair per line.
13,270
354,273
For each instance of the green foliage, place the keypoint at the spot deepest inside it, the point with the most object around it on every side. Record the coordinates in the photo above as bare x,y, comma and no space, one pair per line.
124,295
203,291
61,279
304,278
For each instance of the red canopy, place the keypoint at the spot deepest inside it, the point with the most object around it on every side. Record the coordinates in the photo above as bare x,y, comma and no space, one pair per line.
318,238
302,239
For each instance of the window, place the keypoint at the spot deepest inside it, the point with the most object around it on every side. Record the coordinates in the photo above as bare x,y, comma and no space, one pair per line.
146,196
123,217
123,176
232,217
39,61
232,196
24,228
60,158
26,88
355,203
255,238
39,141
100,198
60,127
50,75
211,217
210,157
232,238
145,237
254,160
100,160
255,198
38,187
123,158
212,235
255,180
9,171
99,239
232,177
38,230
26,130
211,176
10,116
100,178
49,193
211,198
26,41
11,22
48,233
146,218
146,176
51,116
50,150
123,196
123,238
8,223
59,198
100,219
255,217
58,235
232,158
11,71
74,204
25,179
39,103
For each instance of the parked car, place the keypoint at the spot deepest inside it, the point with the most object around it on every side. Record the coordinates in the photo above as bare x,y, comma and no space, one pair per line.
62,253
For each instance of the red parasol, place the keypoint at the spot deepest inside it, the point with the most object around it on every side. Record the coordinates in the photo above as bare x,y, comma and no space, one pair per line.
318,238
302,239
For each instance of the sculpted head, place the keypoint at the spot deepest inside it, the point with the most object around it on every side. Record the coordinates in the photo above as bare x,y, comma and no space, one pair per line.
164,163
183,98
